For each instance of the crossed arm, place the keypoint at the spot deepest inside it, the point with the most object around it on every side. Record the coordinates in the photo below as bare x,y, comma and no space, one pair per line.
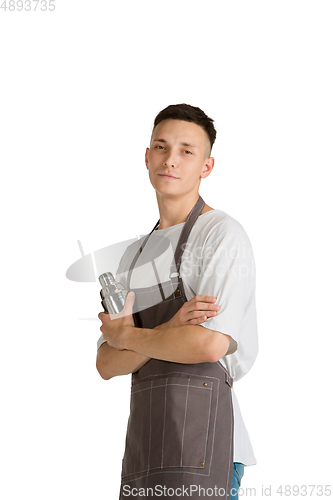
181,340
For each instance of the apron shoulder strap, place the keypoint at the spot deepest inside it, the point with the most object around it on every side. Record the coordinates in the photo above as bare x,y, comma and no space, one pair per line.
191,220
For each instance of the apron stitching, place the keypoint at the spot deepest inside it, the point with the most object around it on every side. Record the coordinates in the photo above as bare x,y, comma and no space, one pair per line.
210,406
151,392
164,423
189,472
176,466
181,455
182,373
231,441
161,472
217,405
179,385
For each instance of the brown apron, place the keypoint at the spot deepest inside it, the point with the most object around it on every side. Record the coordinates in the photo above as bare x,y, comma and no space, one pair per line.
179,440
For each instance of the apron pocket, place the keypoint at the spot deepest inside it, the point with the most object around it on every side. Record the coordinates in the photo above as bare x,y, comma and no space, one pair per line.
171,424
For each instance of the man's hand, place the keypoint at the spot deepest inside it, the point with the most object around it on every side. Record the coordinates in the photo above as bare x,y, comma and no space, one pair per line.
194,311
186,343
115,326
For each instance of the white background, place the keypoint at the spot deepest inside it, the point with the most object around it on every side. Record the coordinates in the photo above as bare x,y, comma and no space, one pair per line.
80,88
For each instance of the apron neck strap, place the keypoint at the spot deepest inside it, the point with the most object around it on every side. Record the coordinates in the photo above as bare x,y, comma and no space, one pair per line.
191,219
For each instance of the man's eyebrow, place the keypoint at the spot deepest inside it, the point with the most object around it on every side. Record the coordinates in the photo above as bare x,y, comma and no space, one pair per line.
187,144
159,140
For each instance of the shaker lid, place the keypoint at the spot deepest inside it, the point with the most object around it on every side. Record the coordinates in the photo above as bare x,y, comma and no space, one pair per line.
106,279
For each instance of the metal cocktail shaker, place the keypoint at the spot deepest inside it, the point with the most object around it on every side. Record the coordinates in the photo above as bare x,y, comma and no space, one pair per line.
113,294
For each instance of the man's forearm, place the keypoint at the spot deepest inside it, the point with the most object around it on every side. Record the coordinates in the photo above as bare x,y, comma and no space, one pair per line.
111,362
183,344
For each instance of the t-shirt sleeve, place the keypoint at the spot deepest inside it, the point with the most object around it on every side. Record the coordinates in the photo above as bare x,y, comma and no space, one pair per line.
100,341
227,272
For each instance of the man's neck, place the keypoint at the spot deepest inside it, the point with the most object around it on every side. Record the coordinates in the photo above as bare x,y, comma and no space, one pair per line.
174,211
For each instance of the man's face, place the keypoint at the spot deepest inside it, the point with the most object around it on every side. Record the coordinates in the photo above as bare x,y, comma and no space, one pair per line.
180,150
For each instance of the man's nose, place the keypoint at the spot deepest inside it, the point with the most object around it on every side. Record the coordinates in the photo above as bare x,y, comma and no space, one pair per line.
170,160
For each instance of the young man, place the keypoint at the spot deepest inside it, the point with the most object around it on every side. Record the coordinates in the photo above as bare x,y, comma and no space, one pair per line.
188,331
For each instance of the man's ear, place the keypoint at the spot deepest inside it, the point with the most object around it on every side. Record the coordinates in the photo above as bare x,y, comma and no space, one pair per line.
146,157
207,167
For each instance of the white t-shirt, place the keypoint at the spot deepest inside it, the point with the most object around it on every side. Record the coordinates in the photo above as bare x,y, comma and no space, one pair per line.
217,261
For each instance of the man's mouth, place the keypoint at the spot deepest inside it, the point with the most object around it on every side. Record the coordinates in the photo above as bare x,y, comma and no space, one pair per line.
168,176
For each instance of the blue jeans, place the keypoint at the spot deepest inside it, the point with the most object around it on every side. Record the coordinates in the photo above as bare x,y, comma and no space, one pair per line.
237,474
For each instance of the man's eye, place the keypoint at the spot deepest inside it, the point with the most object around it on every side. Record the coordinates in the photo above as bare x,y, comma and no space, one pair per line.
159,147
187,151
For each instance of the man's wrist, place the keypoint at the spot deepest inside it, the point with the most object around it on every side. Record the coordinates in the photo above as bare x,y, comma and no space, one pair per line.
128,337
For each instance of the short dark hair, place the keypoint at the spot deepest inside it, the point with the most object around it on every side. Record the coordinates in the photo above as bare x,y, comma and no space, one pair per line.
188,113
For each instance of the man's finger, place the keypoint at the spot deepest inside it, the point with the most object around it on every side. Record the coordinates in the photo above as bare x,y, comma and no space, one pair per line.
103,316
204,298
203,306
129,302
